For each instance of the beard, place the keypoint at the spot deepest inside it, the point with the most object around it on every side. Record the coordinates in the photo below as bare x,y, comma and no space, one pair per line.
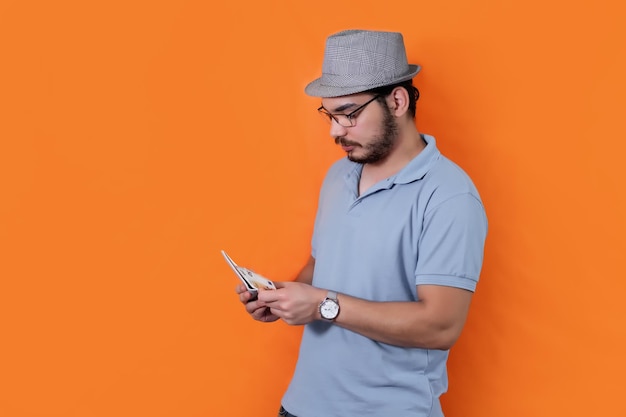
380,147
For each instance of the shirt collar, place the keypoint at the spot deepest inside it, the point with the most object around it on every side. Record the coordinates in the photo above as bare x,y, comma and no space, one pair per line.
415,170
419,166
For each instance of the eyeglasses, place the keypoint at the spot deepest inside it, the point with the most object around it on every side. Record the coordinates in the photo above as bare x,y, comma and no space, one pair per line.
345,120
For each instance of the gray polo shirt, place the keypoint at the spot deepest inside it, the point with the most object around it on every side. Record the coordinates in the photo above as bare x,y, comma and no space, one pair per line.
424,225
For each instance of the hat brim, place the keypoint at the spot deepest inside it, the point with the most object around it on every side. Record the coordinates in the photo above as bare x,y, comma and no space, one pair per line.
317,88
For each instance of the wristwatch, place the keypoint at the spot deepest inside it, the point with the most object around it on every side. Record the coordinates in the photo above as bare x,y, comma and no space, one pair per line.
329,307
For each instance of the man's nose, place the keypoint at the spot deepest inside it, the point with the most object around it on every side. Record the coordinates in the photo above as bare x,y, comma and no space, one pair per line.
337,130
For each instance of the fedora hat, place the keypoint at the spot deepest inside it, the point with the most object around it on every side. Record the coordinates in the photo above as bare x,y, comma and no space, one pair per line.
360,60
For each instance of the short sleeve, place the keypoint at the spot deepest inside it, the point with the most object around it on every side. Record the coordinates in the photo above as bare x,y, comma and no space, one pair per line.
451,246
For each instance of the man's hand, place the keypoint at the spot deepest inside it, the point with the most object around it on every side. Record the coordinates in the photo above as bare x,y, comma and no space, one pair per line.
257,310
295,302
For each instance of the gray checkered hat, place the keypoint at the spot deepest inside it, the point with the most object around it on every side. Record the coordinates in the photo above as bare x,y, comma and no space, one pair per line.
360,60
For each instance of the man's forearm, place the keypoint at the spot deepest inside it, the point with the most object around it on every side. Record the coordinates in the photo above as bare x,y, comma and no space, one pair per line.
428,324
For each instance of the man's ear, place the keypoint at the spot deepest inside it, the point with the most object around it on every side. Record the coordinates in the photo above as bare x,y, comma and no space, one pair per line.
398,101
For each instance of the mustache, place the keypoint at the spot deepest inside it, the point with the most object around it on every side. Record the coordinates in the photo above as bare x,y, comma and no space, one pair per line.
340,140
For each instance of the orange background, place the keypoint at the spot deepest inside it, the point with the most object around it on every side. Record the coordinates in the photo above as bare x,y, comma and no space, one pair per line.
138,138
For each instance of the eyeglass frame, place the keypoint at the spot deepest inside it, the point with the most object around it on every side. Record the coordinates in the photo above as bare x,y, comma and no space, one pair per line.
351,117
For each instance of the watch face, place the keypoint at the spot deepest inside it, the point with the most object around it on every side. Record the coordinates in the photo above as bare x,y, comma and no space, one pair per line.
329,309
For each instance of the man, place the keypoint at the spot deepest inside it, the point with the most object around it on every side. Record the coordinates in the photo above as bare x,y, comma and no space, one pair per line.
397,248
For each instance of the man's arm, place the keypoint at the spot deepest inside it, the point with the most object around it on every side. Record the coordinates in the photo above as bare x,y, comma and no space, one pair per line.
306,273
433,322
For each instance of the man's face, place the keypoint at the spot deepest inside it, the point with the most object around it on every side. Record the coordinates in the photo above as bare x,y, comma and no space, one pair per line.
374,135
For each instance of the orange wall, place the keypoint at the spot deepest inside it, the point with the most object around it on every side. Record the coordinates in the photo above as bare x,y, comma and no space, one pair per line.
137,138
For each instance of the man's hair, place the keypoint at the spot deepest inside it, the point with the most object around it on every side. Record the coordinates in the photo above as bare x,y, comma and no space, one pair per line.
413,92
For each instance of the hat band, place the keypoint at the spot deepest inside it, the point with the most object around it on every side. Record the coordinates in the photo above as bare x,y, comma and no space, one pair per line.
343,81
